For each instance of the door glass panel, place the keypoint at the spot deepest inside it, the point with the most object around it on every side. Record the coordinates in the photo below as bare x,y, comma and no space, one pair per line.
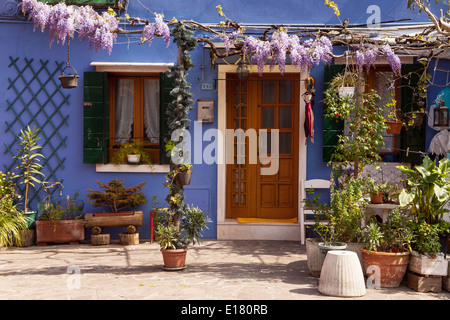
286,91
285,118
285,143
268,91
267,117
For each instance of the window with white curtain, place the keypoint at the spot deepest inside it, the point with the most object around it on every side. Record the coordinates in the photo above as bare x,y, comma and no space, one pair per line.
134,113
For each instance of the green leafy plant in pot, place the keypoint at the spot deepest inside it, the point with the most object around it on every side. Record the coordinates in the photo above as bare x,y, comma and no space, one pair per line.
176,231
133,153
387,249
426,195
339,222
29,167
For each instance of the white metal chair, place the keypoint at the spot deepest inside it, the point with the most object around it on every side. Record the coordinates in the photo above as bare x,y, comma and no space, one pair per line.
306,212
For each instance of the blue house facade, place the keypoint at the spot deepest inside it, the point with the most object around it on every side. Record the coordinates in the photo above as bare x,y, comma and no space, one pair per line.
241,203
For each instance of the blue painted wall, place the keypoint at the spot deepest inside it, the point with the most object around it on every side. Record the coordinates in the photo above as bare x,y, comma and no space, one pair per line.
17,39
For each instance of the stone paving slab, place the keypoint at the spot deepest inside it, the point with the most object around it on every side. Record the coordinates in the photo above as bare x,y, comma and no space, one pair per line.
216,270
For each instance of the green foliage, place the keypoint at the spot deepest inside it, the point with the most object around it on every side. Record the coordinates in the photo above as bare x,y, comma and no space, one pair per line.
29,157
426,238
427,191
343,215
116,197
175,232
69,208
11,219
364,117
392,236
131,148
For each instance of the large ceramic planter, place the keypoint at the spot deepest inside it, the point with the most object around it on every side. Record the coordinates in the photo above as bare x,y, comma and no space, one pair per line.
30,216
356,248
60,231
389,267
174,259
313,256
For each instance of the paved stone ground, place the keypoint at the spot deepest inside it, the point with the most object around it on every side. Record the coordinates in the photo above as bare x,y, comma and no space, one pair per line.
217,270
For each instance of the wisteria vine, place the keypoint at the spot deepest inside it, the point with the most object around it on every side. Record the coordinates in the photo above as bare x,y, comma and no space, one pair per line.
101,31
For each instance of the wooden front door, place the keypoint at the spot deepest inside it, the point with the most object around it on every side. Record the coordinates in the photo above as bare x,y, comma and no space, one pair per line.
263,104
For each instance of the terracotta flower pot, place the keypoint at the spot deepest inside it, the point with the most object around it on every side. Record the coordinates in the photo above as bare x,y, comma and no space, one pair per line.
394,127
376,197
71,231
389,268
184,178
174,259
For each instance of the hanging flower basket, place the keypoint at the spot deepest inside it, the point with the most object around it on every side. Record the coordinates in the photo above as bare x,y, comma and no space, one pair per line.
394,127
346,92
184,178
414,119
69,81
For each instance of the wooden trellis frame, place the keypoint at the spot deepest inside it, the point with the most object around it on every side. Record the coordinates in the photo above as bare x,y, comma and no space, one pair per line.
38,102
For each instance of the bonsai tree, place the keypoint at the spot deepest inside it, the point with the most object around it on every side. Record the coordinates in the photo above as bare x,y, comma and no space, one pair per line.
131,148
116,197
29,157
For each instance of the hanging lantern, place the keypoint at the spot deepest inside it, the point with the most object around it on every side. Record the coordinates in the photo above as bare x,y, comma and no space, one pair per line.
441,117
242,70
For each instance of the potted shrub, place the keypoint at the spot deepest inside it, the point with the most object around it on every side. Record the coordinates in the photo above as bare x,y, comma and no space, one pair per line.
426,195
379,191
338,224
117,200
132,153
176,230
387,249
29,168
60,220
12,221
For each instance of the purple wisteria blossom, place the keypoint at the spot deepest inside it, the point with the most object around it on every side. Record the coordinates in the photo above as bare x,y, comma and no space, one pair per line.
366,57
393,59
63,21
157,29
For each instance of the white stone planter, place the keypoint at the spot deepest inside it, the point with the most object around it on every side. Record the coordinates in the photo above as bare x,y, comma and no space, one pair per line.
313,255
342,275
428,267
133,158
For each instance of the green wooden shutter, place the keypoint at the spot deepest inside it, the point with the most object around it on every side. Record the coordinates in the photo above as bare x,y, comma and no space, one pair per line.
96,118
411,137
332,128
166,85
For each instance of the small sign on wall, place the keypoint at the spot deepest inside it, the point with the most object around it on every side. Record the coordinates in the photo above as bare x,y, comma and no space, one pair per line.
205,110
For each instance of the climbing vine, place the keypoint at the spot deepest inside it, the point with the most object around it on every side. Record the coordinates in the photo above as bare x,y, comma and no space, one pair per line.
178,120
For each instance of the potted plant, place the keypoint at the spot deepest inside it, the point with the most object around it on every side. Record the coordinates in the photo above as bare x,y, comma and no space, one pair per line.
183,174
132,153
176,230
29,168
12,221
394,125
387,249
338,224
426,195
379,191
345,84
117,200
60,220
